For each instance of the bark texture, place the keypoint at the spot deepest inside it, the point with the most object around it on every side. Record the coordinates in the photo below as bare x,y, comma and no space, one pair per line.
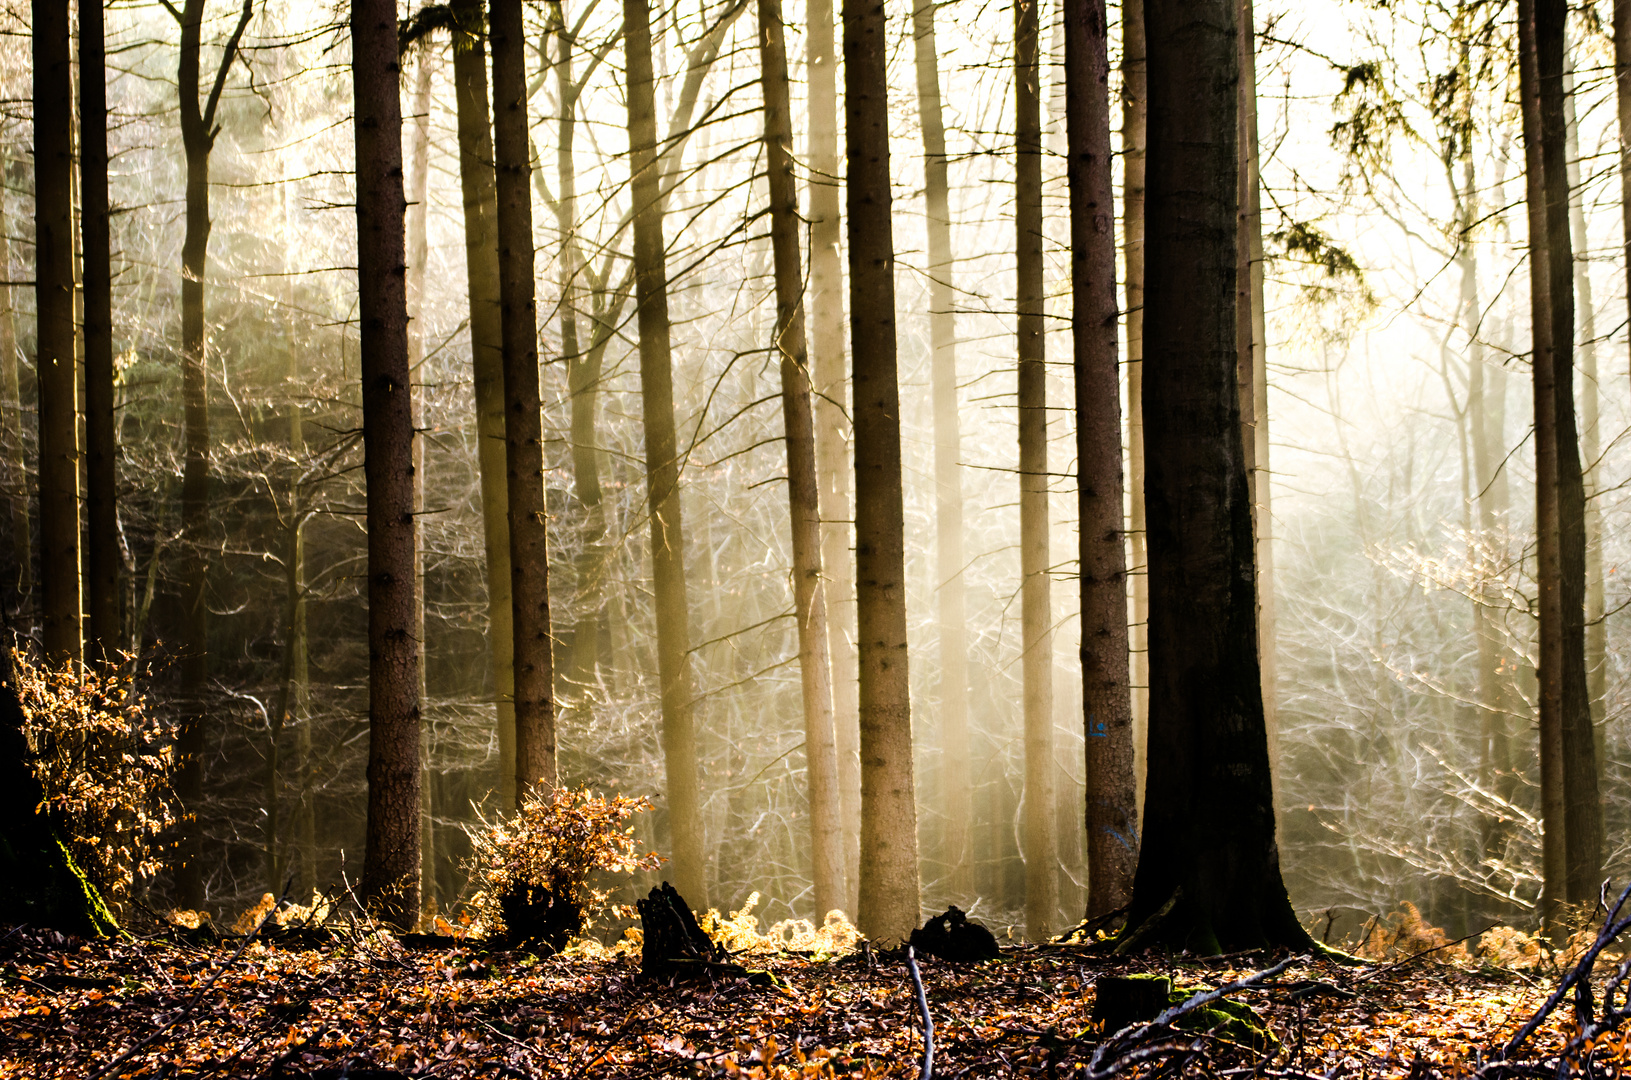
478,185
1569,802
1036,592
1208,874
1591,442
103,559
1134,123
803,487
390,885
1250,334
956,781
888,908
54,300
1112,813
832,429
663,466
524,424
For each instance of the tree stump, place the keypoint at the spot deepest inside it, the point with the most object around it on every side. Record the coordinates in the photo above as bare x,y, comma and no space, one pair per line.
673,944
1120,1000
950,936
534,915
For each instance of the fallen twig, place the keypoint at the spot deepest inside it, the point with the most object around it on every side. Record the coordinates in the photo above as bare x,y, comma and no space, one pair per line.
923,1007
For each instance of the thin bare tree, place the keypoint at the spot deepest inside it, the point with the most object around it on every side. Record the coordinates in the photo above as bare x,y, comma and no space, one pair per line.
663,465
1112,814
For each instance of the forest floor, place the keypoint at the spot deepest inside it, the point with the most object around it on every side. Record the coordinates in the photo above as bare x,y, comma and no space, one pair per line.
370,1008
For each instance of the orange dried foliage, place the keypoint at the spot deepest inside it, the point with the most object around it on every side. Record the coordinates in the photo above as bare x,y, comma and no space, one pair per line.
104,763
1406,933
557,842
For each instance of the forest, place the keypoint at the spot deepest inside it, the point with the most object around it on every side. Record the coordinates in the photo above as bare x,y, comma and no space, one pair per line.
553,538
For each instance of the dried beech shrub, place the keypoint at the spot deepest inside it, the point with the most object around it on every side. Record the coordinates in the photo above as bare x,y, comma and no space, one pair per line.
104,763
557,842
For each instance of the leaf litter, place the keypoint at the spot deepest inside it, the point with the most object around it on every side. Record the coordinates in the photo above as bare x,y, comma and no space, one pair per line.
369,1007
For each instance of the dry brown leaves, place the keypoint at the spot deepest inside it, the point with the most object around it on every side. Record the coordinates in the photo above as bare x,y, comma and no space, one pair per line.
368,1007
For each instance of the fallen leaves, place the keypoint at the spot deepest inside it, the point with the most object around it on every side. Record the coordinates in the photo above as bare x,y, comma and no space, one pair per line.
72,1010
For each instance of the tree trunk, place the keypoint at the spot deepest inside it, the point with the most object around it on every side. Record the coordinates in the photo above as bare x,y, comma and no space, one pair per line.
809,592
1591,445
1486,415
54,293
832,432
663,466
1250,332
418,242
524,417
1208,874
103,559
888,907
198,130
1134,121
1112,813
479,186
1571,816
582,375
1036,618
958,786
391,862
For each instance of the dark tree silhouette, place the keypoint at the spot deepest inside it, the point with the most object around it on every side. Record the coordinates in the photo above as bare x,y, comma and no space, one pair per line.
391,860
523,409
1208,875
54,299
1112,815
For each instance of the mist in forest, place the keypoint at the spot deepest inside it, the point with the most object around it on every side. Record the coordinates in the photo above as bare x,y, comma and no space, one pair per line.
1394,466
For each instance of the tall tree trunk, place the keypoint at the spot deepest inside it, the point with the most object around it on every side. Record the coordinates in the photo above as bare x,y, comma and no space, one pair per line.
1591,443
19,584
1250,332
391,861
1486,415
103,558
958,785
198,131
1112,813
803,487
582,372
663,466
479,186
1569,805
418,242
1208,873
1134,122
524,418
1036,618
54,293
832,431
888,907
